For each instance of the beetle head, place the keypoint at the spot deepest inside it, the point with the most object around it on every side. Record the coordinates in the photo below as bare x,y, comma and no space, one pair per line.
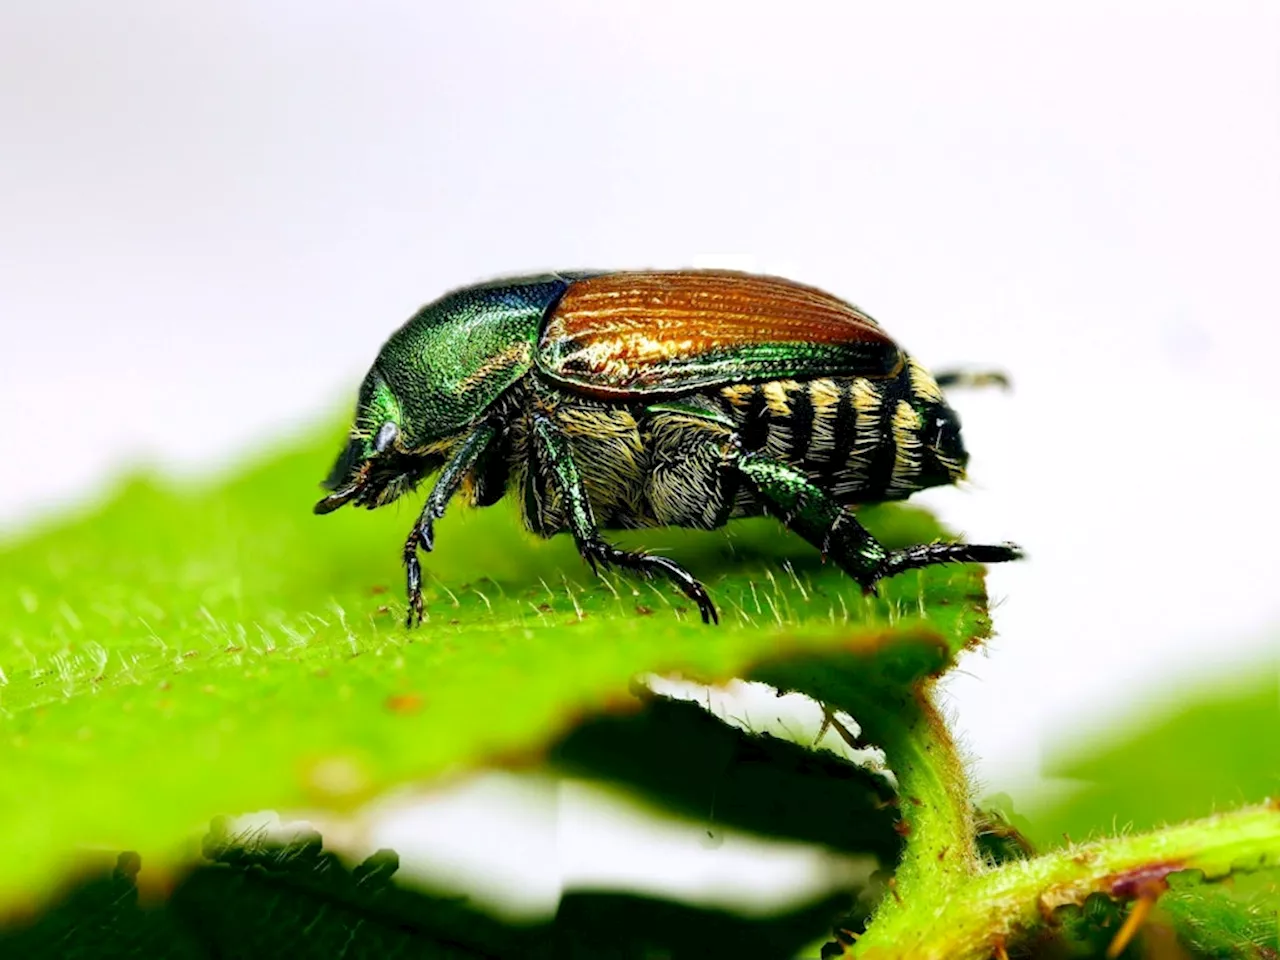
433,380
374,467
945,456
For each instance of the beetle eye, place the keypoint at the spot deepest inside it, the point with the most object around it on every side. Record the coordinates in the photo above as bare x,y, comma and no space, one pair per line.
386,435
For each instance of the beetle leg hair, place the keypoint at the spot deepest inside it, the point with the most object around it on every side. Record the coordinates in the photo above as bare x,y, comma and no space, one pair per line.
972,378
556,458
462,461
836,532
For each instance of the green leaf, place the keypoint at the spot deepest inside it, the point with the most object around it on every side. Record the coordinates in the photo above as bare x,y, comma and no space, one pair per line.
1240,920
1205,750
176,654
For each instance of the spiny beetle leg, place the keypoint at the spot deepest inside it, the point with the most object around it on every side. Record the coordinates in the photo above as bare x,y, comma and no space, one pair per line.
557,460
464,458
598,552
837,533
926,554
807,510
413,577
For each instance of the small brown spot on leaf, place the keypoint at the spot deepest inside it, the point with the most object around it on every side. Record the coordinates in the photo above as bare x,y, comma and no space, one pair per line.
902,827
378,588
404,703
544,608
383,609
642,610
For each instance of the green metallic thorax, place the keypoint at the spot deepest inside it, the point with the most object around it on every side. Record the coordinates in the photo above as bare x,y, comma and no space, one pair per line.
456,356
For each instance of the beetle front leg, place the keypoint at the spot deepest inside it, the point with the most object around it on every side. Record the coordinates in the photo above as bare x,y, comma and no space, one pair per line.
422,535
836,532
555,457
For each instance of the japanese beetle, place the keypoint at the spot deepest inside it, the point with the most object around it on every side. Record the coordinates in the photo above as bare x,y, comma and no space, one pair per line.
646,399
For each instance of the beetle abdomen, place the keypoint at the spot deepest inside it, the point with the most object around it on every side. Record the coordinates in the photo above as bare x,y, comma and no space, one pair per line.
859,438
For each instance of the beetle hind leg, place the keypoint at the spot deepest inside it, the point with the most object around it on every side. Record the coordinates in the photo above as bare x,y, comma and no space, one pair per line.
836,532
927,554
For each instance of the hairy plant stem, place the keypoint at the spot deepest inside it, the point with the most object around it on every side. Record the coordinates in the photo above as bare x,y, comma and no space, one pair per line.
1000,905
945,904
936,809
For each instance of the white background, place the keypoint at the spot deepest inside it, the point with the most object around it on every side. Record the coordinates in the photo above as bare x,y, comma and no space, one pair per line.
212,214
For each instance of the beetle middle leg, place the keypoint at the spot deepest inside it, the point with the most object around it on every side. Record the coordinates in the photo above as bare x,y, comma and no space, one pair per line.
555,457
836,532
464,459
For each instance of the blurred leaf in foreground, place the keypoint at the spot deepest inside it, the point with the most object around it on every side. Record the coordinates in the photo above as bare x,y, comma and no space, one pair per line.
175,655
263,899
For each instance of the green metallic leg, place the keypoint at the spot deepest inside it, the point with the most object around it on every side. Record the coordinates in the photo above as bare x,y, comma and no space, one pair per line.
837,533
554,456
447,484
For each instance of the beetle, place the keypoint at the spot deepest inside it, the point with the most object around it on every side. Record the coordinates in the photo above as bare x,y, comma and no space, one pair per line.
609,400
